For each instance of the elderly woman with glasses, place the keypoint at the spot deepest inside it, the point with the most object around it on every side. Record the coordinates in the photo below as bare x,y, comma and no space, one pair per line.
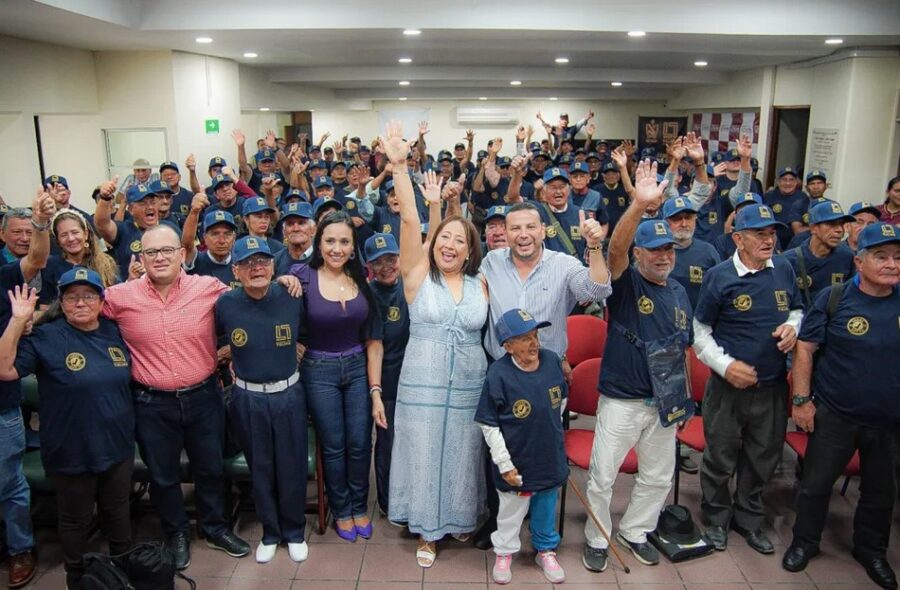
87,416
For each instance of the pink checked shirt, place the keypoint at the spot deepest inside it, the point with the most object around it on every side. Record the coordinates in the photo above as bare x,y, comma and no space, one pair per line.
172,342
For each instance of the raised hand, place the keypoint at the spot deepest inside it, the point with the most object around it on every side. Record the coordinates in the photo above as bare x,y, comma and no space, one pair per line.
470,135
518,164
393,144
22,301
590,129
520,133
647,191
720,169
745,147
591,230
496,146
694,147
628,147
270,139
44,206
227,171
200,201
677,152
108,188
423,128
432,187
338,148
135,268
618,156
238,136
268,183
191,162
300,167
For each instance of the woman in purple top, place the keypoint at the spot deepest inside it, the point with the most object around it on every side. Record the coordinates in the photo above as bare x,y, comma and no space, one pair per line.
339,351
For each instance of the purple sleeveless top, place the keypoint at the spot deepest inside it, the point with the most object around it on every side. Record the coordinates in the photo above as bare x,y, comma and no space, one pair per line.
330,327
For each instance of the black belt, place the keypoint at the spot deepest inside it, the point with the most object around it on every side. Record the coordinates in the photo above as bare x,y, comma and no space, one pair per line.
181,391
757,385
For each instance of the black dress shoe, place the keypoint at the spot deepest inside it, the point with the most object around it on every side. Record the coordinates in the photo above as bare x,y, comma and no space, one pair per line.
757,540
482,539
796,558
878,569
180,546
718,536
230,544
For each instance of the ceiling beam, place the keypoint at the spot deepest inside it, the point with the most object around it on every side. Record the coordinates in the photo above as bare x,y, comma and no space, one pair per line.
461,93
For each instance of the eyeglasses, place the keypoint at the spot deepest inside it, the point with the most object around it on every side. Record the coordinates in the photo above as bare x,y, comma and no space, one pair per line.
72,298
256,262
167,252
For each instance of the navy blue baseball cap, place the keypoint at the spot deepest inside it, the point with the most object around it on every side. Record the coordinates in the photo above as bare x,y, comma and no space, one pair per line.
717,157
255,205
864,207
333,203
503,162
732,155
216,217
80,276
757,217
516,322
827,212
379,245
565,160
482,154
592,156
158,187
648,152
337,163
297,209
169,164
444,156
265,156
323,181
787,170
220,179
295,193
816,173
652,234
580,167
876,234
328,149
746,199
496,211
56,179
318,164
544,155
248,246
554,173
217,161
364,149
314,148
610,167
137,193
279,179
533,146
677,205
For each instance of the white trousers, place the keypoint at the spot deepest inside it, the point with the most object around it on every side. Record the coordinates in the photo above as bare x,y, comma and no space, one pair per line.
622,425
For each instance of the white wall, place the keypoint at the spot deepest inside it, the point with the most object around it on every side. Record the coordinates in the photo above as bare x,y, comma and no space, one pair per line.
21,176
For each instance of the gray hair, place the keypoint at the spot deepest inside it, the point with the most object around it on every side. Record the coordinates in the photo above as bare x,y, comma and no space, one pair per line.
15,213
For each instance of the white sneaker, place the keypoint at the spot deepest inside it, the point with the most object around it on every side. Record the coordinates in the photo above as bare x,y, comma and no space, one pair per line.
265,553
502,572
298,551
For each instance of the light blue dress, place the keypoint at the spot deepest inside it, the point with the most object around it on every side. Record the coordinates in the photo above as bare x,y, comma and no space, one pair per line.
437,474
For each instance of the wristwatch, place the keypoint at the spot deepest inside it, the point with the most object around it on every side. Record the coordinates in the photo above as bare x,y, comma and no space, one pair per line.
799,400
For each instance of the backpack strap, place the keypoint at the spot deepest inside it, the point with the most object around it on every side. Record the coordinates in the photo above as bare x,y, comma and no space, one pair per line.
567,243
834,298
804,277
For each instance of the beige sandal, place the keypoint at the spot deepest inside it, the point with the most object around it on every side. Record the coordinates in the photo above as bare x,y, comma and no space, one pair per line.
426,554
461,537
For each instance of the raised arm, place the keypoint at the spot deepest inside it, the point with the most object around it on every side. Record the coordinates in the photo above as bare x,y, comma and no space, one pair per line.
191,164
103,221
745,150
22,301
189,231
513,193
42,209
646,193
243,166
620,157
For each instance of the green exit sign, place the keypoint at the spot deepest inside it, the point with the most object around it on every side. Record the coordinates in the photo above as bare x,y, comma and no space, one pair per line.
212,126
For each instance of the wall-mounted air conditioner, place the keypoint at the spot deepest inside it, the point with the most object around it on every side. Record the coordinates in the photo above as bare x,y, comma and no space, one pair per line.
477,116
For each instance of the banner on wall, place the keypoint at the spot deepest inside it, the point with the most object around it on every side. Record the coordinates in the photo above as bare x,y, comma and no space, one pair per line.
655,132
719,132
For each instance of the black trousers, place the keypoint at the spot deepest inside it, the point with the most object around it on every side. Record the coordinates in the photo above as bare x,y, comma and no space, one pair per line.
744,430
75,499
831,445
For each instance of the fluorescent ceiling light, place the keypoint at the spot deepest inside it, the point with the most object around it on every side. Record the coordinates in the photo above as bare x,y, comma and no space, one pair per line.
203,40
405,60
616,84
412,32
250,55
402,98
562,60
403,82
833,41
553,98
515,83
701,63
637,34
264,109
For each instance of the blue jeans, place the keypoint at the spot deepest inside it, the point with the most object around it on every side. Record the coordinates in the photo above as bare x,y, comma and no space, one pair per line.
272,430
15,497
166,424
338,396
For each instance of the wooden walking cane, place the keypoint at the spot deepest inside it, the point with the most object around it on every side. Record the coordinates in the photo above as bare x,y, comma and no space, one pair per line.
599,526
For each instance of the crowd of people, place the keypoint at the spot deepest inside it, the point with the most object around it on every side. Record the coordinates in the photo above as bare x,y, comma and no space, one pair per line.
379,292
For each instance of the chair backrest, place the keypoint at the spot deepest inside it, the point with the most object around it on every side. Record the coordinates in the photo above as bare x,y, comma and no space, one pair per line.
699,376
587,338
583,394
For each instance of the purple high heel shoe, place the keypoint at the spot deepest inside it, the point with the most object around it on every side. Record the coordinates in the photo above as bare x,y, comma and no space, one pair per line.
349,535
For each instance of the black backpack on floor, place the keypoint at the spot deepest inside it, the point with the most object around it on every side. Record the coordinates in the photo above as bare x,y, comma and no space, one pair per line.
147,566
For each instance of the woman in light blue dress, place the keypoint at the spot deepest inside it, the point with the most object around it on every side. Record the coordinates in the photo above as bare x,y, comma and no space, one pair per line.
436,483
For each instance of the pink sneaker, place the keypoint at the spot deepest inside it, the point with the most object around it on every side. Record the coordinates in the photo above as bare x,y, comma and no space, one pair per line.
546,560
502,573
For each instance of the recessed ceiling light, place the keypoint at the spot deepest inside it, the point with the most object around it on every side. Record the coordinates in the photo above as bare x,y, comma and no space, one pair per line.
515,83
562,60
637,34
250,55
312,110
616,84
405,60
203,40
403,82
412,32
402,98
701,63
833,41
553,98
264,109
482,98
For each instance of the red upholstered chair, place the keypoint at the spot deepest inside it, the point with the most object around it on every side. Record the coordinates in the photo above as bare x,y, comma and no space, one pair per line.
583,398
692,433
798,442
587,338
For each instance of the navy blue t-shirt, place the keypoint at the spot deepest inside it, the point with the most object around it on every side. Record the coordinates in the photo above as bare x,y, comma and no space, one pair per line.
616,201
387,222
527,407
236,210
649,312
205,266
691,264
262,332
181,203
593,206
87,413
782,205
50,274
393,313
744,311
855,372
837,267
284,262
725,246
10,276
712,214
570,224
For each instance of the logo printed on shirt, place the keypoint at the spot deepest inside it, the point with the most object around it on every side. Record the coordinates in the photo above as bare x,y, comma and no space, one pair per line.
621,201
555,393
283,335
781,300
135,246
575,232
696,274
605,201
777,208
743,302
681,321
551,232
75,361
808,281
713,218
386,228
350,204
238,337
117,356
521,409
858,325
184,209
393,313
645,305
837,278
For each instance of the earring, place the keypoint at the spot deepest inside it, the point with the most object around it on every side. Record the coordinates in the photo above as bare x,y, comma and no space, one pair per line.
352,255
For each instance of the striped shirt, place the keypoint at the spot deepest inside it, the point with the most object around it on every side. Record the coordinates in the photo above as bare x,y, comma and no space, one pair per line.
172,341
549,293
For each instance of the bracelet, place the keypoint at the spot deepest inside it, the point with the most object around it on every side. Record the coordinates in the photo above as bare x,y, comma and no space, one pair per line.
594,248
102,198
40,227
375,388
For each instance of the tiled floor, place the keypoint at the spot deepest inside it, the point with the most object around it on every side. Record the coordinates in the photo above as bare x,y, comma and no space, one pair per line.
386,562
